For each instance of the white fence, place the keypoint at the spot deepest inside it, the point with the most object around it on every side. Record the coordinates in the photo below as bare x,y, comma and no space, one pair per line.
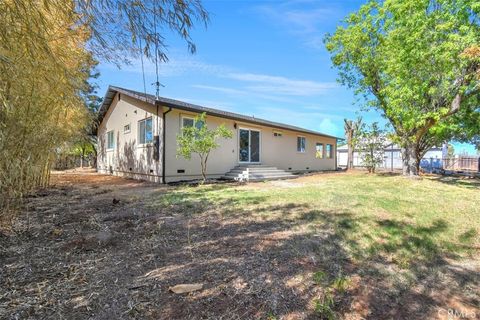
393,161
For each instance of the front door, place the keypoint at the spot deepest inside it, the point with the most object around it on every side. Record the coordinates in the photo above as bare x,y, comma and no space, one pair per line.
249,148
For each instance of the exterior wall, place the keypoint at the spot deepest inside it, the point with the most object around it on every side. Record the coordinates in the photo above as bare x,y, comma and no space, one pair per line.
280,152
128,158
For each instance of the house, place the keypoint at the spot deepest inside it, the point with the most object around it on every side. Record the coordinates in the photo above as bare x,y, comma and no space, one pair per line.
137,138
393,157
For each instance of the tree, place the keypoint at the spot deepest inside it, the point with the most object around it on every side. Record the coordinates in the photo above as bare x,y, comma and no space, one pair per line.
352,130
200,140
450,151
372,145
86,144
47,52
416,61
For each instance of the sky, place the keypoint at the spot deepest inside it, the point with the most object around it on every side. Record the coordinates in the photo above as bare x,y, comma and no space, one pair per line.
260,58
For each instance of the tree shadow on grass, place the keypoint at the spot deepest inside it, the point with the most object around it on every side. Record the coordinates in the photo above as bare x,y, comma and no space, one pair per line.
252,268
470,183
255,260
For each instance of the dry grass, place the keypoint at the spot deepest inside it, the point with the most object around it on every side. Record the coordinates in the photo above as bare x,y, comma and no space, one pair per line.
333,245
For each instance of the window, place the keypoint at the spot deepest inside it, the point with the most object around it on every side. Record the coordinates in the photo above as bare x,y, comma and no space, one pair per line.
319,150
277,134
187,122
329,151
190,122
301,142
126,128
199,124
110,140
145,131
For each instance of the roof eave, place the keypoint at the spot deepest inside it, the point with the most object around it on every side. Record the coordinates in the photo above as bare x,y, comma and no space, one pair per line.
113,90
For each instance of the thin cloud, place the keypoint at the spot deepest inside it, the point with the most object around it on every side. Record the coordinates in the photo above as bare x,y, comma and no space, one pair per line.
226,90
282,85
306,22
246,93
177,65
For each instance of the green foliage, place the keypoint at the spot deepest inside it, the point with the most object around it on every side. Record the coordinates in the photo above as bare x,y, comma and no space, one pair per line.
450,151
119,27
43,67
324,306
341,283
48,51
413,60
372,144
200,140
319,277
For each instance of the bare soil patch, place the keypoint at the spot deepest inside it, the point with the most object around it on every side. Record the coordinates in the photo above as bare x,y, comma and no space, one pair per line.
93,247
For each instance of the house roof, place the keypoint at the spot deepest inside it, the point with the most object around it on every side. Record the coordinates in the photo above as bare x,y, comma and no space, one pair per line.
167,102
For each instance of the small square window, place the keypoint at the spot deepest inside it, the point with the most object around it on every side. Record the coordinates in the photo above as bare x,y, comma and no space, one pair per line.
126,128
301,143
187,122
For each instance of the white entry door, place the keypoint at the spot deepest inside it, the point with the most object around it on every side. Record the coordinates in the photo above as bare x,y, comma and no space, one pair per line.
249,146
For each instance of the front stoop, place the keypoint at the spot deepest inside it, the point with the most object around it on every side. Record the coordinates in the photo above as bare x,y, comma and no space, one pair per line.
257,173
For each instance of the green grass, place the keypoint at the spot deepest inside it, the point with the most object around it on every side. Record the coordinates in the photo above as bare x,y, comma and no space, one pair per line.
376,216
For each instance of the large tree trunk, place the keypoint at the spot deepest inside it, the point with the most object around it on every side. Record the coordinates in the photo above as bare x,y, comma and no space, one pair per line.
350,157
405,161
350,151
413,163
410,161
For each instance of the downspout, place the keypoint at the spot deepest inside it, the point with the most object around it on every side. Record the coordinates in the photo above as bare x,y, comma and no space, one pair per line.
336,155
164,134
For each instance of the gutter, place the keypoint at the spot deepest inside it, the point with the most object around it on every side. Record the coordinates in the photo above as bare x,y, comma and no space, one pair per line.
164,134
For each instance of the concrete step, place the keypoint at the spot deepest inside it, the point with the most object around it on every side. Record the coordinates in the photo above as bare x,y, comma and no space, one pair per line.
232,174
255,168
269,175
262,171
237,171
258,173
290,176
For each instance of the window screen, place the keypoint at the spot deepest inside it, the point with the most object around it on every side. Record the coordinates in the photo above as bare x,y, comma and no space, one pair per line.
145,131
301,144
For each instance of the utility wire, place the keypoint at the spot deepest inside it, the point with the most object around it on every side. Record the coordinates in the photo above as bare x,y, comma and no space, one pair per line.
157,83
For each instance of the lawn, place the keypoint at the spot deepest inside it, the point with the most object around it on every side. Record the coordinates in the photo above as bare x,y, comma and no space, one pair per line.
340,245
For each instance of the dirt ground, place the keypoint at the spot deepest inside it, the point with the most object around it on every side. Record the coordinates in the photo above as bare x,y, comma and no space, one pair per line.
91,247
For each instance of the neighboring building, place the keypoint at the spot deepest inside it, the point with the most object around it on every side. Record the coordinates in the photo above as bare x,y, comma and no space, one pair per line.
393,157
137,138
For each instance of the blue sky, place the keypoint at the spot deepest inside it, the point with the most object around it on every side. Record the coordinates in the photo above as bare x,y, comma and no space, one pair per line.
261,58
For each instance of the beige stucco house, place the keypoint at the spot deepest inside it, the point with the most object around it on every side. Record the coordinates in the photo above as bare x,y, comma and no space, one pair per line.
137,138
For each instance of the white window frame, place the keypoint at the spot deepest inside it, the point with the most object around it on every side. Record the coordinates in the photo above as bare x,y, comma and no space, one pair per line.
322,154
113,140
305,144
249,143
186,117
183,116
146,143
129,128
329,155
